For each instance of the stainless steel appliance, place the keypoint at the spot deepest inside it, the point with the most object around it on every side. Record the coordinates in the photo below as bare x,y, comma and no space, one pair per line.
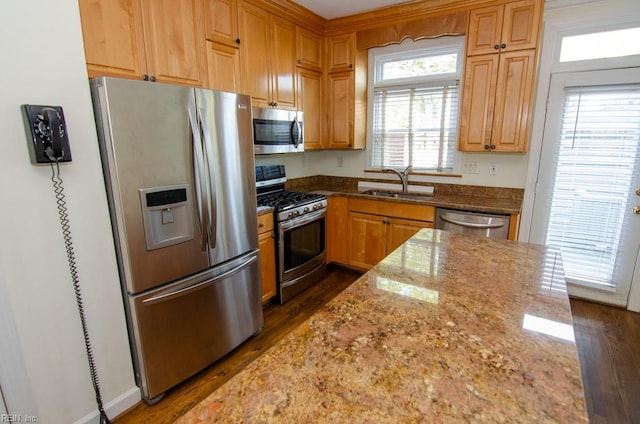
300,222
179,171
476,223
277,131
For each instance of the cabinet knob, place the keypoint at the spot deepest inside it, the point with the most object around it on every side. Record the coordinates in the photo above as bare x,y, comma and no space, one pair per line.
237,41
486,147
260,225
299,61
145,77
497,46
493,147
503,46
351,66
153,78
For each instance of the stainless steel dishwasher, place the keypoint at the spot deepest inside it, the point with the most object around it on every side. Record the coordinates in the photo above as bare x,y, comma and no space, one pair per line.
476,223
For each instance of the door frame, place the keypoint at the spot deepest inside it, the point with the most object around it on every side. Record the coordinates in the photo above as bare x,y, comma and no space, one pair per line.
562,18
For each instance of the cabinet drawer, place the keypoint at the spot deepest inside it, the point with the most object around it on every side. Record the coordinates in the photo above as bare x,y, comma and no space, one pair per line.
265,223
393,209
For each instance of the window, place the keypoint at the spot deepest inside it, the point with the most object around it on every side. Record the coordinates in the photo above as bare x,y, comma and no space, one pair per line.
413,106
600,45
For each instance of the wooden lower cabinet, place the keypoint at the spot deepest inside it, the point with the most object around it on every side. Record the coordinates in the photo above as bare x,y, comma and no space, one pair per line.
267,247
376,228
337,212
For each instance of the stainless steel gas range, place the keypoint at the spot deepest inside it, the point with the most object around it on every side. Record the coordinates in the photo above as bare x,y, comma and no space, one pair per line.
300,222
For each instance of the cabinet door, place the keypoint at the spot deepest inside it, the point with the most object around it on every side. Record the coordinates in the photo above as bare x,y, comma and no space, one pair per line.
508,27
173,41
113,38
341,103
341,52
337,227
223,64
283,63
266,245
514,91
485,30
367,239
254,49
309,49
310,102
478,98
221,21
401,230
521,25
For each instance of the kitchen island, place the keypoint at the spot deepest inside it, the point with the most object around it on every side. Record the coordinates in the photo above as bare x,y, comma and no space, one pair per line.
447,328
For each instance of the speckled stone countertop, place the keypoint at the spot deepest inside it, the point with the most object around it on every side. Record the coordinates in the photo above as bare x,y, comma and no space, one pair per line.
447,328
472,198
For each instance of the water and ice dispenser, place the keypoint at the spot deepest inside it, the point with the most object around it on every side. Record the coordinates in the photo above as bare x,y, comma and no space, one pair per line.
167,215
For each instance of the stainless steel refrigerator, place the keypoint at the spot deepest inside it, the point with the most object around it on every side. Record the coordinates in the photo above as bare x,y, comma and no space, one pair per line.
180,177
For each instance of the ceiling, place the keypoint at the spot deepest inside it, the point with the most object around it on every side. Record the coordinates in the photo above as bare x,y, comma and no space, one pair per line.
330,9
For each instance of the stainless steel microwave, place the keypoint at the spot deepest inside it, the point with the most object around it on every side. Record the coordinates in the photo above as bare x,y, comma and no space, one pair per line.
277,131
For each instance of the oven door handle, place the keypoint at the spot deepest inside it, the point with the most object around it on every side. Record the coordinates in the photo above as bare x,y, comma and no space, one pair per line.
301,220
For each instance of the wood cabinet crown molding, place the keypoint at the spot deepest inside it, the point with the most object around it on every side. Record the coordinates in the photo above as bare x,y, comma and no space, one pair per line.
293,12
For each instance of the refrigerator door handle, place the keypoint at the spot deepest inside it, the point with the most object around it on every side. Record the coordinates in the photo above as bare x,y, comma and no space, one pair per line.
201,195
185,290
209,161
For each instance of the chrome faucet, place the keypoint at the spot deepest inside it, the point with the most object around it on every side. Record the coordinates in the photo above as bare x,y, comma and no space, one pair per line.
404,176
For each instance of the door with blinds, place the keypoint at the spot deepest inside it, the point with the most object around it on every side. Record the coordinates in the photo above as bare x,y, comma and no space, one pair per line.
587,201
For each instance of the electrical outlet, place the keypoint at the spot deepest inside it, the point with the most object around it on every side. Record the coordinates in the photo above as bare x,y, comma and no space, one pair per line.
493,169
471,168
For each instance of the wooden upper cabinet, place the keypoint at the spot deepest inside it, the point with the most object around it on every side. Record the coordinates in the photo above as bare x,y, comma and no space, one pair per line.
341,52
340,100
310,102
113,38
160,40
254,52
309,49
496,102
268,63
507,27
173,41
283,63
223,64
221,21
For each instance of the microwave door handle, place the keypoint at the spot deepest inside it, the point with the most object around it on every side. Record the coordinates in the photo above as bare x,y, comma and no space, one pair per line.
213,203
198,158
294,139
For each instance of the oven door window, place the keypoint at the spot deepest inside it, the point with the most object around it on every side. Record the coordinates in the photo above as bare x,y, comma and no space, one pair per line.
301,244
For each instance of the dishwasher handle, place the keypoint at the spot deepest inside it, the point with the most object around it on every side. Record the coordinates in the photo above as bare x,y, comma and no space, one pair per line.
447,218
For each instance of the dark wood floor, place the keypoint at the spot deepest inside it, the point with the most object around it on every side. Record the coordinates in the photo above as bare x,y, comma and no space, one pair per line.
608,341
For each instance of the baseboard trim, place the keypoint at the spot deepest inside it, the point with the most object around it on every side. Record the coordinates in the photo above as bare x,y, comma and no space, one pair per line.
115,407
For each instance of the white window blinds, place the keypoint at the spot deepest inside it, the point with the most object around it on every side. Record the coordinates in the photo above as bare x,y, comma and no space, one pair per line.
597,158
415,125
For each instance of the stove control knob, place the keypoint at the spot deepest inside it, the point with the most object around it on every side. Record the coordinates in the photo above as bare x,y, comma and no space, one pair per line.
316,206
306,209
296,213
290,214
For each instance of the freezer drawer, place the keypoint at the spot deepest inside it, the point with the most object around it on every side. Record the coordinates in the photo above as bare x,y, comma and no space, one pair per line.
475,223
183,328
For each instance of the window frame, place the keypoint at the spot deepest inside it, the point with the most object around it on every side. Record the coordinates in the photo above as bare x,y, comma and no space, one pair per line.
410,49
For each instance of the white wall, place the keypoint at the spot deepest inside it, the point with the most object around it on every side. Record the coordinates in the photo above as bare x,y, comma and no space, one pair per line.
511,168
43,63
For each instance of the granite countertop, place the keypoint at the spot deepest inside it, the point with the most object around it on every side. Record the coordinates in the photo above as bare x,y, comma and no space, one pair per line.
447,328
481,199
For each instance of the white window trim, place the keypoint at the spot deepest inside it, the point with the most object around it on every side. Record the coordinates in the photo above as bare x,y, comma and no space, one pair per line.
397,50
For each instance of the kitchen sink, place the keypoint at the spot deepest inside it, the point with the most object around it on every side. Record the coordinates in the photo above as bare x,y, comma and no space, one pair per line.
396,194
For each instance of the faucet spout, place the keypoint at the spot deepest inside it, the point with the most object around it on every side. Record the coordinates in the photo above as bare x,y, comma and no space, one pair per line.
404,176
